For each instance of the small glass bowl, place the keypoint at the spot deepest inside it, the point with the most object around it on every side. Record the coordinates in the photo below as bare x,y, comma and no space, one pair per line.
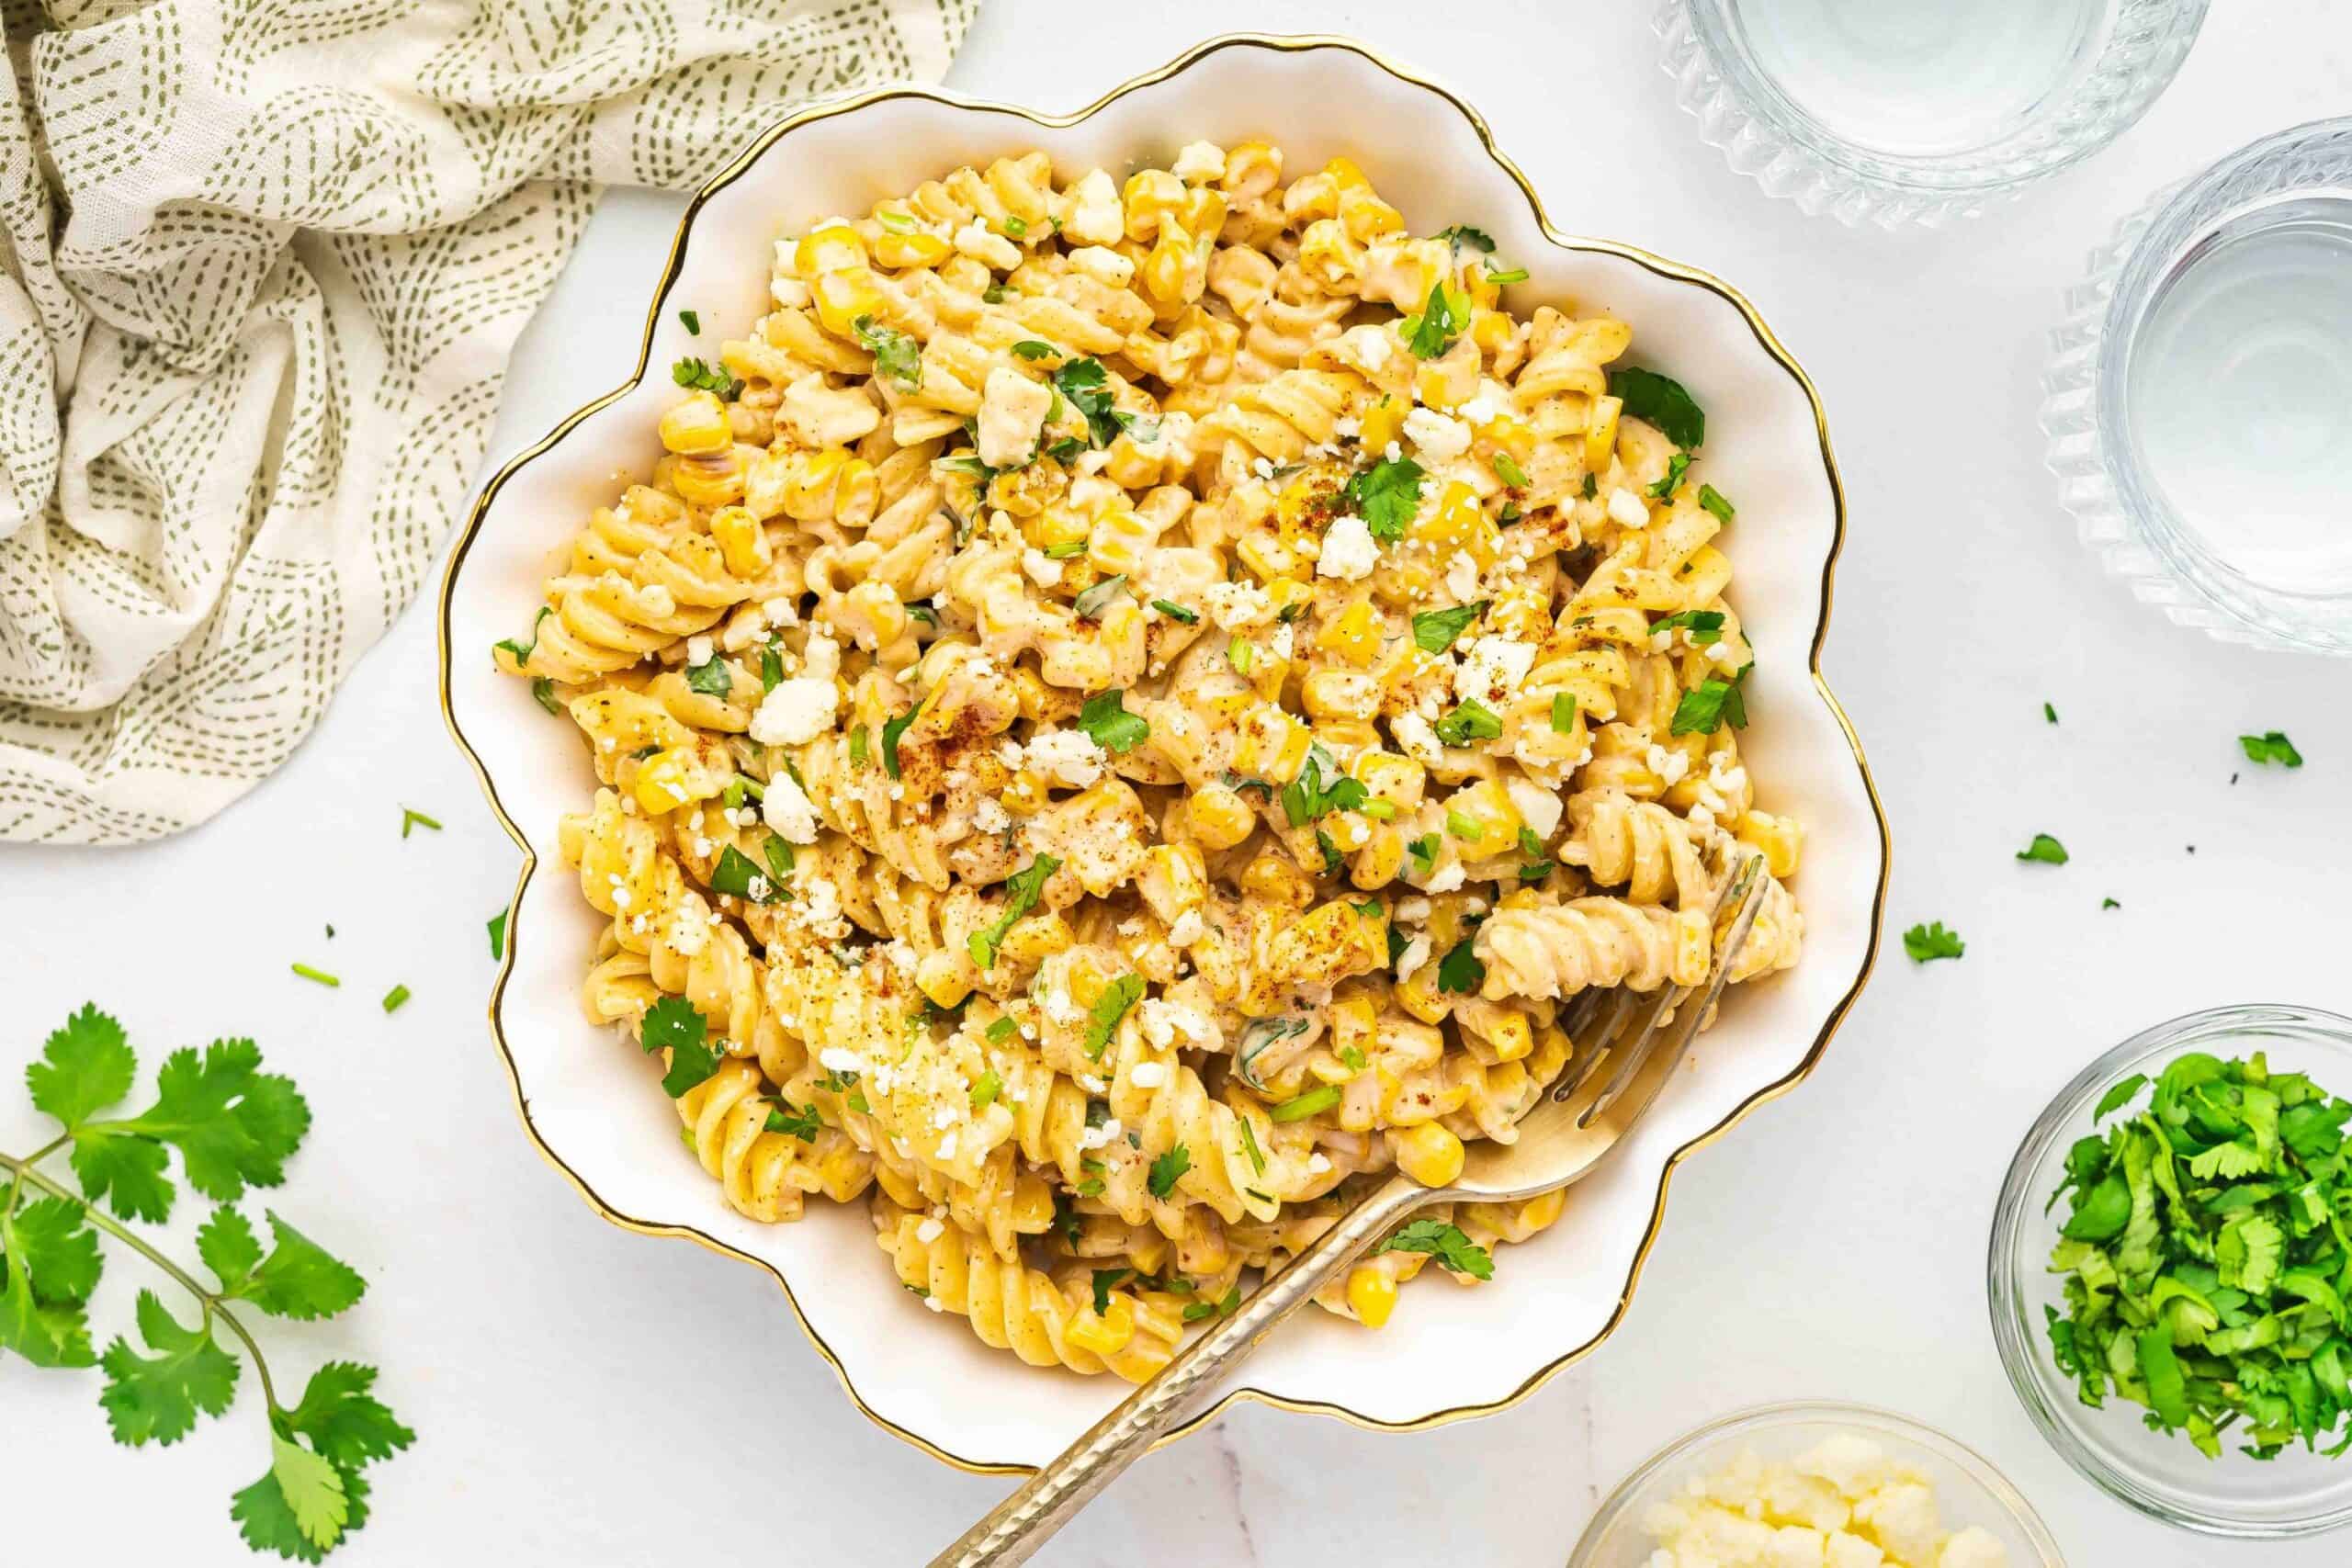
2298,1493
2100,76
1969,1491
2120,510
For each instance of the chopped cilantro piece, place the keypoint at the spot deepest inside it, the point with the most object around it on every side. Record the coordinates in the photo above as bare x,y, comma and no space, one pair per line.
1022,891
891,732
1309,797
712,676
1462,235
1459,971
1676,466
1103,1018
1107,723
1454,1251
1031,348
1470,720
1016,226
543,692
1695,622
1087,386
1662,401
2108,903
1224,1306
673,1023
897,356
498,935
1424,850
1703,712
797,1121
1167,1168
1090,604
1435,630
993,294
1441,318
695,374
1385,496
738,876
1924,943
2049,713
2271,748
693,321
2045,848
1249,1145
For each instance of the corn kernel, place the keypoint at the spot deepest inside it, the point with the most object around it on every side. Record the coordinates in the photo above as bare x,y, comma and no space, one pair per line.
843,297
713,480
697,425
1218,818
1433,387
1380,423
1428,1153
741,540
1107,1332
1354,634
910,250
1025,795
1339,694
665,782
829,249
1372,1294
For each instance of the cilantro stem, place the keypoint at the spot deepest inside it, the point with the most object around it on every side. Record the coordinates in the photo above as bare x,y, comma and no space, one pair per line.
17,1182
214,1307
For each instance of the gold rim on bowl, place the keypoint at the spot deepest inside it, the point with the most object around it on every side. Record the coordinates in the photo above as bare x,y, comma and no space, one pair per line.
1293,43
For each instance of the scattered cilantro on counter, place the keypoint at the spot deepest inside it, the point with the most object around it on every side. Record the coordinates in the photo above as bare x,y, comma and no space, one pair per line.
1924,943
2271,748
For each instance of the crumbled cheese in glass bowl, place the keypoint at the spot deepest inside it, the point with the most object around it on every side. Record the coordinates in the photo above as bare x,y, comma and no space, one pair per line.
1815,1485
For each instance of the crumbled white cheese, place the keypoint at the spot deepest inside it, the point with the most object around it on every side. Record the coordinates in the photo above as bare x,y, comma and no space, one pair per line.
1167,1023
780,612
822,657
1066,757
1187,929
1375,350
1096,1137
1447,879
1095,215
797,711
1537,807
1461,577
1147,1075
1043,569
1285,642
1625,509
1236,604
1412,911
1420,742
838,1059
1669,766
990,816
1012,410
789,811
930,1230
1350,552
1440,437
698,650
1493,669
1317,1163
1416,953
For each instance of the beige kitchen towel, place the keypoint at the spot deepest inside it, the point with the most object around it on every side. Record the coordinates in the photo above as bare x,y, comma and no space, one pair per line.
260,265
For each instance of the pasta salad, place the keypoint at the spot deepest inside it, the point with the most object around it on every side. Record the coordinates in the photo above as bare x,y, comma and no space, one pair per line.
1126,706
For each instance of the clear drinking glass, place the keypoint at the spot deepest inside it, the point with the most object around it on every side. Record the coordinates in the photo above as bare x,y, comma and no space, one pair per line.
1917,111
2199,396
2298,1493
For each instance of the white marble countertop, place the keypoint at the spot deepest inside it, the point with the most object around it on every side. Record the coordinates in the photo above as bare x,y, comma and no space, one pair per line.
582,1396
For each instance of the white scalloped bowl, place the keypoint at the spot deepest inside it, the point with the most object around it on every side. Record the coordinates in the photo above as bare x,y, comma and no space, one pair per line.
593,1108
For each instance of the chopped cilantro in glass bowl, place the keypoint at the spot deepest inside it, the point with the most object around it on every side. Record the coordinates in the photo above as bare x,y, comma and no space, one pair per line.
2086,1185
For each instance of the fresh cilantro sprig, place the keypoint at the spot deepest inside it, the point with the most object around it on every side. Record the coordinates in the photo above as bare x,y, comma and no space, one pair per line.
1661,400
1087,386
2204,1253
1441,318
1385,496
898,358
1447,1243
1320,789
234,1127
1021,891
1931,941
2272,748
1107,723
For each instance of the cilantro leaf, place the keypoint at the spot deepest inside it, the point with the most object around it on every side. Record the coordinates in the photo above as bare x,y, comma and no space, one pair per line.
1107,723
799,1122
155,1398
86,1066
1225,1306
1704,625
737,876
2049,713
1308,798
50,1261
1507,469
700,377
1469,720
891,730
1662,401
1446,1243
1087,386
693,321
1462,235
498,936
1703,711
1678,465
897,356
1434,631
2044,848
1441,319
712,676
2271,748
302,1506
1023,889
1103,1018
673,1023
1167,1168
1104,1279
234,1124
1091,602
1460,971
227,1245
1385,496
344,1422
1925,943
300,1279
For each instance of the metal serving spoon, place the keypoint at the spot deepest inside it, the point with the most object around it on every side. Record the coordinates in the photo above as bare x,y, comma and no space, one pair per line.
1643,1035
